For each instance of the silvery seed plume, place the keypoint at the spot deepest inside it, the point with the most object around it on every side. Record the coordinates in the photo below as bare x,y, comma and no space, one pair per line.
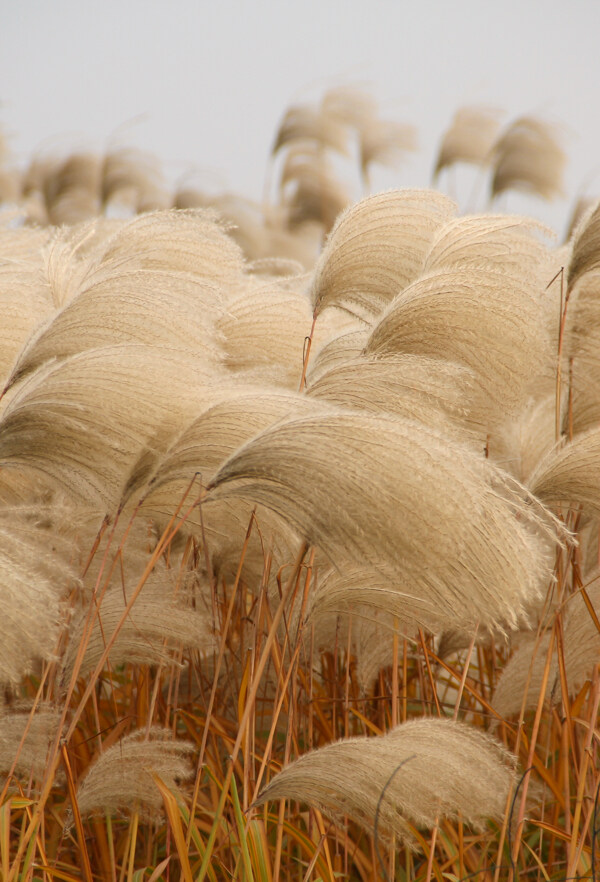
267,328
159,622
437,316
469,138
342,348
429,769
570,473
432,391
380,594
151,307
182,241
581,654
376,248
33,577
31,758
528,157
384,142
120,781
202,448
73,191
524,440
302,122
85,422
509,245
132,178
582,208
585,248
22,306
391,492
310,191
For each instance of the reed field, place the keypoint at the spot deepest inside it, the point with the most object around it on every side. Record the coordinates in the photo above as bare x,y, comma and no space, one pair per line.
300,515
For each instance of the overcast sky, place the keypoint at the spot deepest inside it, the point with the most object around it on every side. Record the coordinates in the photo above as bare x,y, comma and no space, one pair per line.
203,84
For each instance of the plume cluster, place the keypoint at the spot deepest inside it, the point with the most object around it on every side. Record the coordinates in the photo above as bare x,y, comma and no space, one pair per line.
290,460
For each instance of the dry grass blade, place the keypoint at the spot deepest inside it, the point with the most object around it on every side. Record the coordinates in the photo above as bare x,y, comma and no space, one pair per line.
121,780
473,776
391,492
469,138
585,251
376,248
528,157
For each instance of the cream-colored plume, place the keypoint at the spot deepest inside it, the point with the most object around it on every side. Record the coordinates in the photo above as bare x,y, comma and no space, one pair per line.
570,473
152,307
120,781
528,157
182,241
85,422
526,668
505,244
435,392
585,253
159,622
391,492
469,138
417,773
476,318
302,122
132,180
266,330
32,756
34,575
376,248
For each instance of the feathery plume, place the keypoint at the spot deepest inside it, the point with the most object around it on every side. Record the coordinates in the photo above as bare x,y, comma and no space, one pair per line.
502,243
192,241
150,307
383,491
85,422
585,249
437,314
570,473
581,639
120,781
528,157
159,620
393,776
32,756
33,577
132,178
305,123
376,248
469,138
435,392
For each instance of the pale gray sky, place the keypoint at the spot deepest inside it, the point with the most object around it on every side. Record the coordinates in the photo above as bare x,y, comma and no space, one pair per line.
204,84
